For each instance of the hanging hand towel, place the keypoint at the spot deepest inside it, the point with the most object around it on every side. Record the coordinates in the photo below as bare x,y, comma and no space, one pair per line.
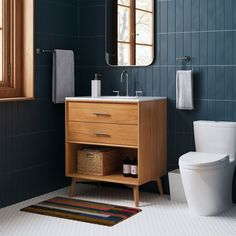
184,90
63,79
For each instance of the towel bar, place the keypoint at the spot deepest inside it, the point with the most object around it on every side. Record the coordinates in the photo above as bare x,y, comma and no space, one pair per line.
40,51
186,58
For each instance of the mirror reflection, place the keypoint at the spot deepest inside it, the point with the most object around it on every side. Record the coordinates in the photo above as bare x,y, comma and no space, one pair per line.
129,32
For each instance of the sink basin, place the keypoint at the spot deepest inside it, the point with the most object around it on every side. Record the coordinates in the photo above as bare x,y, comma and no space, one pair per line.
124,99
120,97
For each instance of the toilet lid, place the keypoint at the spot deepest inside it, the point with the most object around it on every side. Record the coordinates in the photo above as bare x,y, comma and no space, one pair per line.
218,124
200,159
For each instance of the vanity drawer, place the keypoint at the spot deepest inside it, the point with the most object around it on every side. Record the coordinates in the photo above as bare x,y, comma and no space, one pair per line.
126,135
103,113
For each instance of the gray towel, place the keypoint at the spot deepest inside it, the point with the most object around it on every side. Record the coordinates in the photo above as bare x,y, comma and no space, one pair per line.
184,90
63,79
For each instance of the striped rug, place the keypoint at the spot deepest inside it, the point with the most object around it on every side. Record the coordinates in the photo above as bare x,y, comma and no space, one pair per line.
86,211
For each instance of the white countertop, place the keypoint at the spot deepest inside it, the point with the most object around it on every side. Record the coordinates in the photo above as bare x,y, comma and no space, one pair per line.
114,99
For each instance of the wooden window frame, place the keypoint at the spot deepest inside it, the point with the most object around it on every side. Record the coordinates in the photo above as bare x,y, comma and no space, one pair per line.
132,34
18,50
5,44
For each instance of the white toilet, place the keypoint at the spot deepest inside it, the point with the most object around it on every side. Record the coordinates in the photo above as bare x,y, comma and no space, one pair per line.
207,174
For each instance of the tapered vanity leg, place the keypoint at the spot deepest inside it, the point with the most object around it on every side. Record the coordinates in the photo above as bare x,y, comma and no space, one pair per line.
136,195
160,187
73,187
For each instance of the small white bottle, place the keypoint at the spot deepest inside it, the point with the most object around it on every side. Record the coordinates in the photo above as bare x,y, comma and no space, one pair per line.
96,86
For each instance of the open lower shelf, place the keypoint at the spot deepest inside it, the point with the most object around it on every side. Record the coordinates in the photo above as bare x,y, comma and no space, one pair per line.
113,178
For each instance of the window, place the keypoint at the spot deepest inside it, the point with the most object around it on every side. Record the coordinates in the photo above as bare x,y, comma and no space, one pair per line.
16,48
4,39
1,35
135,22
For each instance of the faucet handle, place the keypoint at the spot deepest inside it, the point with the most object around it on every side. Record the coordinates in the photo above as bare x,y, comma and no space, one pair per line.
117,93
139,93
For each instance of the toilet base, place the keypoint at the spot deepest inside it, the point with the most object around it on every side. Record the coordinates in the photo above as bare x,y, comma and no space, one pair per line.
212,213
208,192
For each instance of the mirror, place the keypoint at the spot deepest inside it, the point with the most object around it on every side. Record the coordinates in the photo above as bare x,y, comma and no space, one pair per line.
129,32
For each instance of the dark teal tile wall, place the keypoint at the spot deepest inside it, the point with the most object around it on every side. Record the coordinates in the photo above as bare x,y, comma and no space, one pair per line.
202,29
32,132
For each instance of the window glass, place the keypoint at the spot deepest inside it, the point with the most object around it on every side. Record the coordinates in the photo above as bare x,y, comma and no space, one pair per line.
1,13
123,54
144,27
144,5
144,55
124,2
1,41
1,62
123,24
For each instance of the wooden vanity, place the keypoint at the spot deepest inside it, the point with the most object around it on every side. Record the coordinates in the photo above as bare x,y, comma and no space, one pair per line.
137,126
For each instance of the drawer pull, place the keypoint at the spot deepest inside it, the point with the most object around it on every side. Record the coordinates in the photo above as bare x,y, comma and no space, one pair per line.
101,114
102,134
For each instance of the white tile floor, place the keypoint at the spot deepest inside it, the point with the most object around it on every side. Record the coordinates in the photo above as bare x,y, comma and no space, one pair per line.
160,217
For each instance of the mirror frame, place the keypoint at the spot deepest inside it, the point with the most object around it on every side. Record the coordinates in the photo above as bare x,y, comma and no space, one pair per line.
153,38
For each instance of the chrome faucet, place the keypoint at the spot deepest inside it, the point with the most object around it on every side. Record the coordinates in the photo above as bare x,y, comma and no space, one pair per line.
127,81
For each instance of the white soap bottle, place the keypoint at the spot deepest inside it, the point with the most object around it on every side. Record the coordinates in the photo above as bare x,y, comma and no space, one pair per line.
96,86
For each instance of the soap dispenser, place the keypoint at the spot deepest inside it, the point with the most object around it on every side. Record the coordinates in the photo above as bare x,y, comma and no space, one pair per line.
96,86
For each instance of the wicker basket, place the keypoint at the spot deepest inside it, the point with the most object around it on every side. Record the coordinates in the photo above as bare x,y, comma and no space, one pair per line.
100,161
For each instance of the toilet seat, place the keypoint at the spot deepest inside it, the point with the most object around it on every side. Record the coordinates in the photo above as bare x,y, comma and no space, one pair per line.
201,160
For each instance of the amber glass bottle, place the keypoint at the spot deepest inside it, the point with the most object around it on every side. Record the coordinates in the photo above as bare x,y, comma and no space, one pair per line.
127,167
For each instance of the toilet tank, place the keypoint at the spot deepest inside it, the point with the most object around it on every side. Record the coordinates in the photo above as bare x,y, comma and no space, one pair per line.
215,137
